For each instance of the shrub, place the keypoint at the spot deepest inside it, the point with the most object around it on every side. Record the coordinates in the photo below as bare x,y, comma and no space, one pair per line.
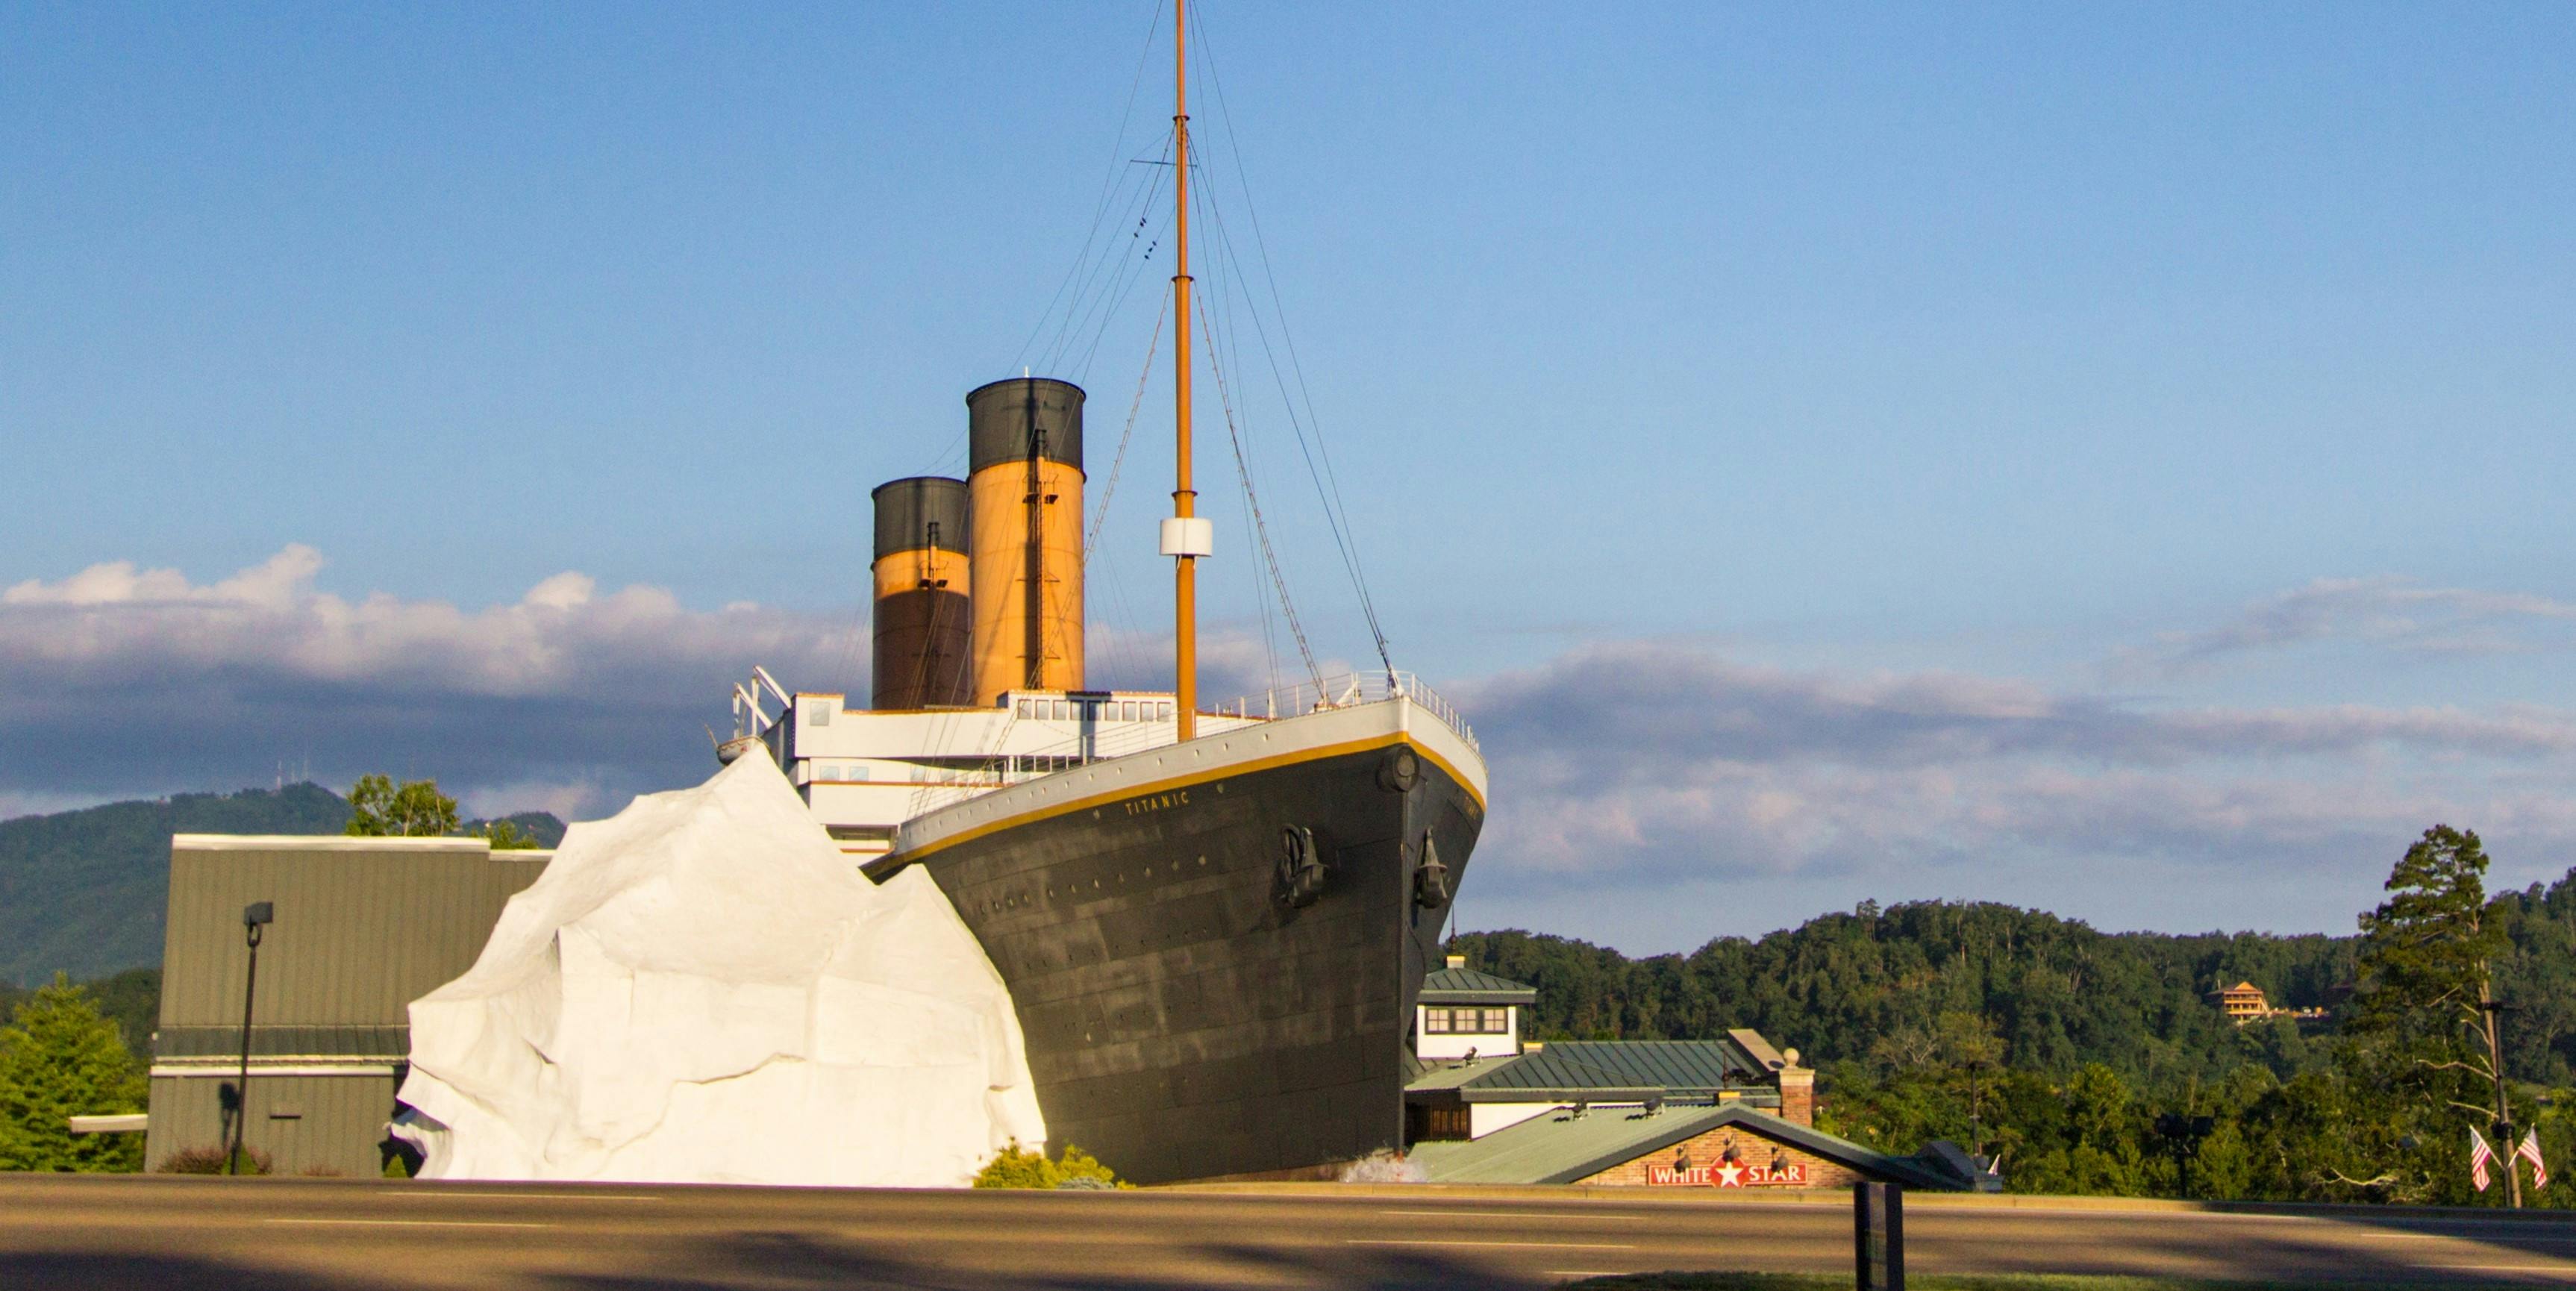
1018,1167
211,1161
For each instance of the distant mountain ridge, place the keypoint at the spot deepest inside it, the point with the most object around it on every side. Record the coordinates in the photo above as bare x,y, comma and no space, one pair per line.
84,891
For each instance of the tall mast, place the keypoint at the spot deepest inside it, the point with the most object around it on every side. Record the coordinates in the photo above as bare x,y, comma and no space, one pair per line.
1185,574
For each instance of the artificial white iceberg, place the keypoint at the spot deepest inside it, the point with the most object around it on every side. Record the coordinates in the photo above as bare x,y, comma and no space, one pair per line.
702,988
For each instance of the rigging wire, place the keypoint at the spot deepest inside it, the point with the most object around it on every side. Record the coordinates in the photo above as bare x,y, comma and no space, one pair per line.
1113,180
1260,527
1100,513
1224,350
1108,306
1327,482
1136,215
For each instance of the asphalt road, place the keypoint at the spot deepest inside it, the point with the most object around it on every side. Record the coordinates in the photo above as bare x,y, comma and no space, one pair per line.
181,1234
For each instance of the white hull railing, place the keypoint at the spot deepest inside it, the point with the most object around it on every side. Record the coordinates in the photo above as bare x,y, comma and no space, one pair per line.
1118,739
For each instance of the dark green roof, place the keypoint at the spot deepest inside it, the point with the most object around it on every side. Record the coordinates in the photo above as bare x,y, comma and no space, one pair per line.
1601,1068
1467,986
1563,1148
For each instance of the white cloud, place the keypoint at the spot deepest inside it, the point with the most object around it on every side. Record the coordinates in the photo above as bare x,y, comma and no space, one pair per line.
1637,768
2386,611
1640,765
123,679
112,620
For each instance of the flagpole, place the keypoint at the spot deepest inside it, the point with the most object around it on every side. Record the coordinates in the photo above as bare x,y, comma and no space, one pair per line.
2494,1010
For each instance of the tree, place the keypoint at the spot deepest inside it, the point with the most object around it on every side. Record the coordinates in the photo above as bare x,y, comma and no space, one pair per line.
416,810
60,1059
2420,1029
2425,980
506,837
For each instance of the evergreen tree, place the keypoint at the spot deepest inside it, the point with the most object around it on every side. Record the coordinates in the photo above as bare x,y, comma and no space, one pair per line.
2419,1028
60,1059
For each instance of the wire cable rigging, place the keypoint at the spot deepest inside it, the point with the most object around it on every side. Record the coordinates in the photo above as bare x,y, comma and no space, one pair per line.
1311,447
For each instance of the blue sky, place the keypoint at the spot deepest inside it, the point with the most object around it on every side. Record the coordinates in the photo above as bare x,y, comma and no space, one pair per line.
2096,457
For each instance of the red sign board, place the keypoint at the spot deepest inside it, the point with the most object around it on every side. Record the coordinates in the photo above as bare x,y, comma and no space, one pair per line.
1727,1175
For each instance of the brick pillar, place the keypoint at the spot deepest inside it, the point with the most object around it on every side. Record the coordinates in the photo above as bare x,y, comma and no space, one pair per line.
1798,1094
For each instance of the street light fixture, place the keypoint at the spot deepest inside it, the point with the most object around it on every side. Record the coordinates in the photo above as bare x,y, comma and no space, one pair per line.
255,920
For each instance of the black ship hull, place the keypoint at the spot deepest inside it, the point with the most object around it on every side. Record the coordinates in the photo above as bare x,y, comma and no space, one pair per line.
1216,973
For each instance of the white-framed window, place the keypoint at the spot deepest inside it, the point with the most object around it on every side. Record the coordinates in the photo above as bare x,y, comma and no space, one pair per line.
1466,1021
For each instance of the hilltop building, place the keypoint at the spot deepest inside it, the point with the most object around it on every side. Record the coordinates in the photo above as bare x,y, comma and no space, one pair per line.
2245,1002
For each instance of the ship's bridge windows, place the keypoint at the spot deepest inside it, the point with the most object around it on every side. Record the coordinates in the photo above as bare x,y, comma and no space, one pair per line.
1127,711
1064,710
1162,712
818,713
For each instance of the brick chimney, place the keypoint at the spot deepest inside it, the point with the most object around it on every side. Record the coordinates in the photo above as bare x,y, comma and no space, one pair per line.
1797,1090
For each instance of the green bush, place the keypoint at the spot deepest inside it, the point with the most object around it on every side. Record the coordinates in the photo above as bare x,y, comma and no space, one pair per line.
211,1161
1018,1167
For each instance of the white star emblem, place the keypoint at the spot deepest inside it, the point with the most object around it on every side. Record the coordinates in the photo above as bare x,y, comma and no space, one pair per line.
1730,1175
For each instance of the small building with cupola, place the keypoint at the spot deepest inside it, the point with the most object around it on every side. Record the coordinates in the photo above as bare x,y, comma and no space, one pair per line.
1486,1104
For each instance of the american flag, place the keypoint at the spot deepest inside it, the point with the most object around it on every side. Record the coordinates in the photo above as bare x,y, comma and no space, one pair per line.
2530,1151
2480,1157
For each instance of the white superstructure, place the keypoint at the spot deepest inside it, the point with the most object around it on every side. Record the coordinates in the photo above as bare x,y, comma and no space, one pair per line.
864,773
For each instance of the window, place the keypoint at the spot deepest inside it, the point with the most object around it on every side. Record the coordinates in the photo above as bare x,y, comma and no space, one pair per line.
1465,1021
1024,708
1127,711
1437,1122
1163,712
1063,711
818,714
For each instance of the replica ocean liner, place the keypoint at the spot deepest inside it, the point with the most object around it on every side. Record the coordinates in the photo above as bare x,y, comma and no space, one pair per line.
1213,919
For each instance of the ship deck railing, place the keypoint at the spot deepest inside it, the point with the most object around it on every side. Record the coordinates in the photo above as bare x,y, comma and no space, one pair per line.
1110,740
1117,739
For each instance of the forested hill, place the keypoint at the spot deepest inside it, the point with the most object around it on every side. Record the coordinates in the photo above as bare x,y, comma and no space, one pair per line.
1845,986
1873,987
83,891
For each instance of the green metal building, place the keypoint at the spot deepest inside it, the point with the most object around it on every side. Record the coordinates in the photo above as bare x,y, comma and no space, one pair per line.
363,927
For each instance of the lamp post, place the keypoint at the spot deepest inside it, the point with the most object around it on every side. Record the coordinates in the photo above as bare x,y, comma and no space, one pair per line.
255,920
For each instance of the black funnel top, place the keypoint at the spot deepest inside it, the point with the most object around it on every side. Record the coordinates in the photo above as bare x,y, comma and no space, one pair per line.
922,511
1002,417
